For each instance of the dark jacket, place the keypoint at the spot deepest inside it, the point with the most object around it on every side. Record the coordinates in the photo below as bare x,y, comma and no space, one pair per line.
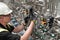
7,35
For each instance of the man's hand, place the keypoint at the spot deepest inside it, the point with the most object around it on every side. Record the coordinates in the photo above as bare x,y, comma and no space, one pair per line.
26,19
30,17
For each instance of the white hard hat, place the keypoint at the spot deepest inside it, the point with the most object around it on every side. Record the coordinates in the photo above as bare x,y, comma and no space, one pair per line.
41,0
4,9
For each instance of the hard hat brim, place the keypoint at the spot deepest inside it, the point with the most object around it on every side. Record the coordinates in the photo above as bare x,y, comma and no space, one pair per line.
6,13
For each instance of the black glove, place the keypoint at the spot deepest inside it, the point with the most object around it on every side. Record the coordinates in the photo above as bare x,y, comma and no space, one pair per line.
26,19
31,15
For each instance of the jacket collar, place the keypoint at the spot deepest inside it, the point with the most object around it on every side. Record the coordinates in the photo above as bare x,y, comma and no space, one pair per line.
2,26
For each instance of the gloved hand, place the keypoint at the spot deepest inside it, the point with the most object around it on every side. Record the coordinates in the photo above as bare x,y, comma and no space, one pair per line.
31,15
26,19
29,18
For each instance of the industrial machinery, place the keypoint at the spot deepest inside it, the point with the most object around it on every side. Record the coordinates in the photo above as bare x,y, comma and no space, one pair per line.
47,24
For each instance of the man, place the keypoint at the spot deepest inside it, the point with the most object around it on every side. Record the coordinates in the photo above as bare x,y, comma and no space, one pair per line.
5,30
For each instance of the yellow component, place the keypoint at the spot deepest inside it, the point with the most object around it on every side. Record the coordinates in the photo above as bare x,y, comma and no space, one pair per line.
8,25
1,29
43,22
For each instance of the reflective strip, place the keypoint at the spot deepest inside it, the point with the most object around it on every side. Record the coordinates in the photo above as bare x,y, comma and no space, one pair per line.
1,29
